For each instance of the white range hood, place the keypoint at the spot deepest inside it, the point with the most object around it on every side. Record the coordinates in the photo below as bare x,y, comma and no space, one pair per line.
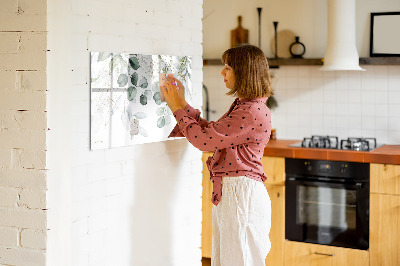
341,51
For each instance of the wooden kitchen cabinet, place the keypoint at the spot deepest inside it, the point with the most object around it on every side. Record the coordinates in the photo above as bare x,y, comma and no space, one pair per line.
384,236
305,254
206,225
384,215
385,178
277,233
274,168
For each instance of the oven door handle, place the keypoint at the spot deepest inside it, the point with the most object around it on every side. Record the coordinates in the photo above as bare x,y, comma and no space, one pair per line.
357,185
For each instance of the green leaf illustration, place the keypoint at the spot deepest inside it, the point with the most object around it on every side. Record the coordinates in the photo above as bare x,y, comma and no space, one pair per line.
134,79
119,62
122,80
143,132
143,83
148,93
160,111
143,99
157,98
132,93
161,122
140,115
103,56
134,62
156,87
167,120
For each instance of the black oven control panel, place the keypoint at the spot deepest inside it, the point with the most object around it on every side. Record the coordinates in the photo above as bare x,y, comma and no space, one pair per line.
335,169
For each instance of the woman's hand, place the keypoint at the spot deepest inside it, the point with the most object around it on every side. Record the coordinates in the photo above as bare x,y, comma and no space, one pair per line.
172,93
181,91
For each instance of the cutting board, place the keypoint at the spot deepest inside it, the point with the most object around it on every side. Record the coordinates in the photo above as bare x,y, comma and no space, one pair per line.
239,35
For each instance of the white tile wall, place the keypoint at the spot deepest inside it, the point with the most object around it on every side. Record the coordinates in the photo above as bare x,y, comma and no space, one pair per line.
311,102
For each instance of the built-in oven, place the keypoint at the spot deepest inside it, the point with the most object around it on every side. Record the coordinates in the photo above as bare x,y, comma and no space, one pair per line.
327,202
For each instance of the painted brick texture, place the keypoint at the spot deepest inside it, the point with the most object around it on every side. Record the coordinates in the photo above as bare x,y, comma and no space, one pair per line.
138,205
23,126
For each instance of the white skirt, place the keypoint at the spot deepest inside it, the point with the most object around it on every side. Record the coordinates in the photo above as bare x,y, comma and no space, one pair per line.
241,223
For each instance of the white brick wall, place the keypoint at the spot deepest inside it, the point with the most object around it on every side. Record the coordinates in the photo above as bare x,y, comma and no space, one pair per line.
23,126
138,205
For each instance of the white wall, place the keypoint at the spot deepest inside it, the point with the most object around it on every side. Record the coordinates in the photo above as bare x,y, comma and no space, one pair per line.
138,205
306,19
23,133
311,102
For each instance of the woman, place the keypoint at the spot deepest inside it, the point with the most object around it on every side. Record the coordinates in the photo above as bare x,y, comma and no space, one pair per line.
242,212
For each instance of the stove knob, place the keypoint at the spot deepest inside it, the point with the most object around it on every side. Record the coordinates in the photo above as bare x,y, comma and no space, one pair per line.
308,166
343,168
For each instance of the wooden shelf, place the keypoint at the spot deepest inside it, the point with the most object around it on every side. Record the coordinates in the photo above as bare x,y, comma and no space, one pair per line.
294,62
274,63
380,61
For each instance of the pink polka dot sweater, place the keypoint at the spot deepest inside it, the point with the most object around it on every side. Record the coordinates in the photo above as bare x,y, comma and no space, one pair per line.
238,139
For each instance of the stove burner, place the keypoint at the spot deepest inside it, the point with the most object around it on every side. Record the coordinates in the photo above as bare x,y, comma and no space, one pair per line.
358,144
328,142
332,142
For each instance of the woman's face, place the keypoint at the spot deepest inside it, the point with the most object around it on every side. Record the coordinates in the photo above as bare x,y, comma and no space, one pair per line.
229,76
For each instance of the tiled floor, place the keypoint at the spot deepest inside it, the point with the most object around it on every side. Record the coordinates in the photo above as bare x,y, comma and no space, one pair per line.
206,261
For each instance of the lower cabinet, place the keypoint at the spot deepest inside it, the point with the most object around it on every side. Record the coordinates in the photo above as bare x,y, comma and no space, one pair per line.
277,233
206,225
304,254
385,230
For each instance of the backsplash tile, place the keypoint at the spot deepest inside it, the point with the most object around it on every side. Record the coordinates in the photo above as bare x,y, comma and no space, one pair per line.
314,102
343,103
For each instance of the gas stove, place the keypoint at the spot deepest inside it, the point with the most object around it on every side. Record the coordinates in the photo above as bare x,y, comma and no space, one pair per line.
332,142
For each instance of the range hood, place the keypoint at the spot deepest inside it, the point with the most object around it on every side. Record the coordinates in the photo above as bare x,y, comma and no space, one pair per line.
341,51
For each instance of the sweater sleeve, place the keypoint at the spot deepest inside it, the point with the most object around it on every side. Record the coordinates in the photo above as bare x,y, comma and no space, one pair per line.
193,113
229,131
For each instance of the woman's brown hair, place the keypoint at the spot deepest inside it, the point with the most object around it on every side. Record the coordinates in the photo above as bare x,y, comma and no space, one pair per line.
250,66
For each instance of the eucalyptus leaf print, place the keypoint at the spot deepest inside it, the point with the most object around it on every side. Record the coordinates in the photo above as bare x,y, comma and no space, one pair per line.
160,111
103,56
143,83
143,132
157,98
143,99
148,93
140,115
161,122
131,109
132,93
167,120
134,63
134,79
122,80
119,62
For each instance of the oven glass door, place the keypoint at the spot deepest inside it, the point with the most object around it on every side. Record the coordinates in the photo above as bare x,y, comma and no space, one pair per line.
326,213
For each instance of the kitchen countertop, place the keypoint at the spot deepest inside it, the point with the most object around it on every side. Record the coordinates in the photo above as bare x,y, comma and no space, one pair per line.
389,154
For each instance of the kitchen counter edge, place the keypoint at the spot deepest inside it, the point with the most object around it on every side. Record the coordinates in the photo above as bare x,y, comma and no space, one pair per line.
386,154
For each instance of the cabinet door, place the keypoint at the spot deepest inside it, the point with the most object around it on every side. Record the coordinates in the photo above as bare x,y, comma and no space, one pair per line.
277,233
206,226
274,168
304,254
384,230
385,178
